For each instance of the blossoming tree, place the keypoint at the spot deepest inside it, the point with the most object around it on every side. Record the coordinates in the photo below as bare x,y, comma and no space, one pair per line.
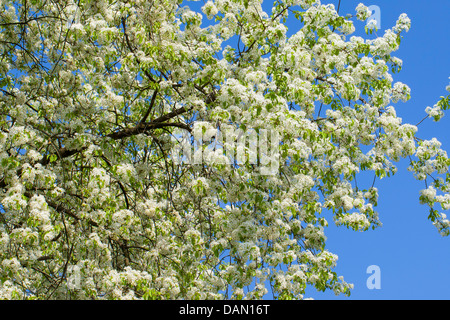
93,205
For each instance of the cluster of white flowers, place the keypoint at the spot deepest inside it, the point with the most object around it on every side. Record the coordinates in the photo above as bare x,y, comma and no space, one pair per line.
435,112
15,201
442,225
126,172
10,291
403,23
428,195
210,9
428,149
148,207
34,155
400,91
319,16
20,135
99,178
355,221
372,24
362,12
345,166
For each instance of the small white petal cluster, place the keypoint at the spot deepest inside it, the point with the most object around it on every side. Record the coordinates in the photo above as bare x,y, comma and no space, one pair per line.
435,112
362,12
403,23
442,225
210,9
372,24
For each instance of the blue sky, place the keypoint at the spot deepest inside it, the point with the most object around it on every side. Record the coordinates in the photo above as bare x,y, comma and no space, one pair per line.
414,259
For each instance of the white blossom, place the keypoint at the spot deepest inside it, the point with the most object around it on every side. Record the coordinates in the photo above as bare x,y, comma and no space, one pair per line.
362,12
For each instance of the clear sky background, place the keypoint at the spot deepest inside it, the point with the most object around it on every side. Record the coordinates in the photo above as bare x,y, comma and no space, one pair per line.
414,259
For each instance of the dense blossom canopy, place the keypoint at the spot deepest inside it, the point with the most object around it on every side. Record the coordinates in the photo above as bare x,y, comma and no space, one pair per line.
93,97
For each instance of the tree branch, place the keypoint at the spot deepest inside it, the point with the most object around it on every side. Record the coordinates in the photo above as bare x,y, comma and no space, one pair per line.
143,127
152,102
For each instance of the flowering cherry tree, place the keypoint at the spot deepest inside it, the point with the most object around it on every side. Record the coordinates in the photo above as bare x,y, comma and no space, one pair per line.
93,205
